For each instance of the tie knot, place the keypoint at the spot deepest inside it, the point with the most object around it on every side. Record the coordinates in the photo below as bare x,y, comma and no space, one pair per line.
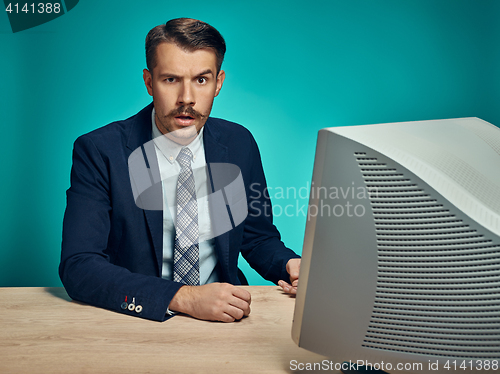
184,158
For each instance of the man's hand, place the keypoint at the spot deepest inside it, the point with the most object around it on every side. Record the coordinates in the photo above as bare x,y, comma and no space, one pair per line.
293,268
213,302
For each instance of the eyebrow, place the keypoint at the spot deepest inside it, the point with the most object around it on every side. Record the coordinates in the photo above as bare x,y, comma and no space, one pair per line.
204,72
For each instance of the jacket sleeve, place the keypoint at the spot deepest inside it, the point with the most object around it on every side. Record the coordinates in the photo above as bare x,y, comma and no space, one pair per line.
262,246
86,269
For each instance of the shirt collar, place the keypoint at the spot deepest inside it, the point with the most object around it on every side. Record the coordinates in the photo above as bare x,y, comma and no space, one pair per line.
171,149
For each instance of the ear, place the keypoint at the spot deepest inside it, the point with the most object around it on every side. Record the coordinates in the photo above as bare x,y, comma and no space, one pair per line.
220,80
148,81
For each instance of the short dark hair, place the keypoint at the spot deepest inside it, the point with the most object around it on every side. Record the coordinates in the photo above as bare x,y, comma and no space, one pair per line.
187,33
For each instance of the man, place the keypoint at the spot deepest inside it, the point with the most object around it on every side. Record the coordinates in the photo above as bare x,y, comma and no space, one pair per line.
151,263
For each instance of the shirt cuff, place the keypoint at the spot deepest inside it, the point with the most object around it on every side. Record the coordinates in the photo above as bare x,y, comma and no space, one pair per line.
171,313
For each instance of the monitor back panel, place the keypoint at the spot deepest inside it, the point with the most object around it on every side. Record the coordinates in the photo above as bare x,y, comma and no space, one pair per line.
391,270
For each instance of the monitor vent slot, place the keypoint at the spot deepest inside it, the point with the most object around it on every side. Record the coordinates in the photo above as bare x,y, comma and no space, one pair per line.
438,285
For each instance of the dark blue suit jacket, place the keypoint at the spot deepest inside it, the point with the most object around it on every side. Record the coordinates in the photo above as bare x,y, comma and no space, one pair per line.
112,249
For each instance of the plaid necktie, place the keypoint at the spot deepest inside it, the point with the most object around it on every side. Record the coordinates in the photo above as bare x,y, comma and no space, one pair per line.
186,250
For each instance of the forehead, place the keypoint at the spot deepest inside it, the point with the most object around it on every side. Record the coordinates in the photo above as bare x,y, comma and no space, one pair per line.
173,59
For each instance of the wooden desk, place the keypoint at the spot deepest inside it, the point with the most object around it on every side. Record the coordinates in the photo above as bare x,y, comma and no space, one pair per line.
42,331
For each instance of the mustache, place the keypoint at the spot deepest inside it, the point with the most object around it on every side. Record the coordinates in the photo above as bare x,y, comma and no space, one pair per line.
185,110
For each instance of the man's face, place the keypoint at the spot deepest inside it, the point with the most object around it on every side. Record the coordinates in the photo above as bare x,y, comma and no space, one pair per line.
183,85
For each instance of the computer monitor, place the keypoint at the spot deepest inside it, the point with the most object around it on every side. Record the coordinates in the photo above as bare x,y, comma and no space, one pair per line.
401,260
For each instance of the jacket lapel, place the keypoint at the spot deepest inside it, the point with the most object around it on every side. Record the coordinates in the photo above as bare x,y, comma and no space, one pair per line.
140,134
215,152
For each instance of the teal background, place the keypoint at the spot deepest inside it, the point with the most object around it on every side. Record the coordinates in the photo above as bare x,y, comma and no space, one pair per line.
292,68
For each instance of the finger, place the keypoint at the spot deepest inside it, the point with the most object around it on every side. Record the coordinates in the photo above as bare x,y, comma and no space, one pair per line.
295,283
247,311
234,312
240,304
294,272
288,288
282,283
226,318
285,286
242,294
293,268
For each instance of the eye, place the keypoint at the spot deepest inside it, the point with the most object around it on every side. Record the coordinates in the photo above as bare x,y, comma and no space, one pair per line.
170,80
202,80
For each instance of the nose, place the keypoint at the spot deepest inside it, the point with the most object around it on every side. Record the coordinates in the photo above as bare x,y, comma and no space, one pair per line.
186,94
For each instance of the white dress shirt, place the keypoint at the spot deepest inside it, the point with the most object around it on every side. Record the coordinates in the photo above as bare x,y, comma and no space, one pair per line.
166,153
